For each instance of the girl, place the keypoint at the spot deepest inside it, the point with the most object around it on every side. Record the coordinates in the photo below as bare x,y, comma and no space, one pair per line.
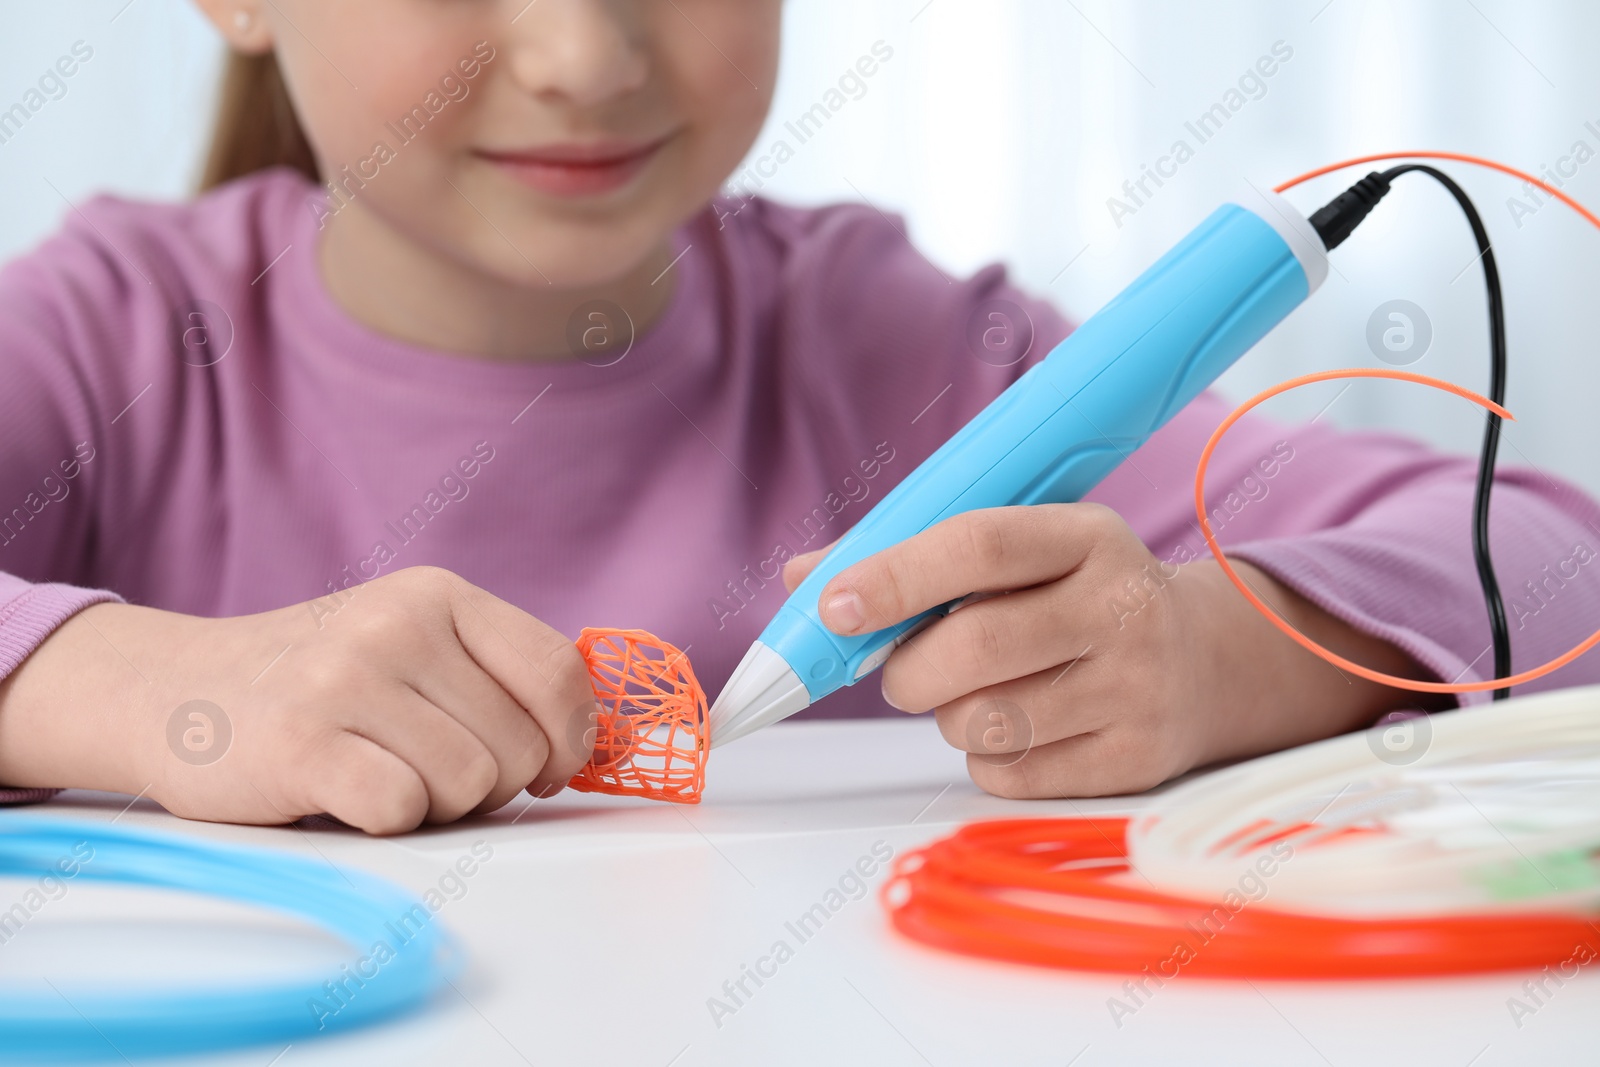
309,483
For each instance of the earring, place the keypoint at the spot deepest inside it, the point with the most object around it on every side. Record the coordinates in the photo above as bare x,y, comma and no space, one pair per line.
241,20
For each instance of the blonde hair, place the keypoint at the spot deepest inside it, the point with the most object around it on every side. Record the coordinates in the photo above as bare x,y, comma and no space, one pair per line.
256,126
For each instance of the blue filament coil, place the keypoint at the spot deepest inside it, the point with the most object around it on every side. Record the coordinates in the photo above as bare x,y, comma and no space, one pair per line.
400,958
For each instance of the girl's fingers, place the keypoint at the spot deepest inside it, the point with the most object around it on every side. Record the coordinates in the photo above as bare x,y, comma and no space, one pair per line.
535,666
990,550
1076,731
796,568
990,642
1111,760
456,768
460,688
1008,719
363,784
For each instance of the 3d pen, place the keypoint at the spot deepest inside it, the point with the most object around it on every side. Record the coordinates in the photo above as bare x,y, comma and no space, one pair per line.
1060,428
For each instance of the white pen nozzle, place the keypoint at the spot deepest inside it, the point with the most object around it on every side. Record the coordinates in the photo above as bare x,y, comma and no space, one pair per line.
764,689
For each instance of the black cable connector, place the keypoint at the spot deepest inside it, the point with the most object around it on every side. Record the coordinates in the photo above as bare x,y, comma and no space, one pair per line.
1333,224
1339,218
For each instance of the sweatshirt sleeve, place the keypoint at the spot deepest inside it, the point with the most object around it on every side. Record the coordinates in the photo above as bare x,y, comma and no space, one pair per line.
1374,528
49,438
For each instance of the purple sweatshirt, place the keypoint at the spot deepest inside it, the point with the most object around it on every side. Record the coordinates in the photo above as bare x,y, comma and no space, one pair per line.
188,421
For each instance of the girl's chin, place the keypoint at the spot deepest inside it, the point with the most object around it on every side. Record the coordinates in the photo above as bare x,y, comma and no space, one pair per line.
591,255
626,266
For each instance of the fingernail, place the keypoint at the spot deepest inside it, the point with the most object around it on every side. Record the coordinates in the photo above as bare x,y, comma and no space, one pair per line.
844,612
887,699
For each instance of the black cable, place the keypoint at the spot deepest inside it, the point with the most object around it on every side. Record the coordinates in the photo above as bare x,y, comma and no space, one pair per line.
1334,223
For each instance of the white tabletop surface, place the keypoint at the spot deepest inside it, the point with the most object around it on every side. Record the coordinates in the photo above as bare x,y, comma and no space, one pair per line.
600,928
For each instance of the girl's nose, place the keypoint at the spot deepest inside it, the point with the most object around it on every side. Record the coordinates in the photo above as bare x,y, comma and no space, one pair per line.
585,51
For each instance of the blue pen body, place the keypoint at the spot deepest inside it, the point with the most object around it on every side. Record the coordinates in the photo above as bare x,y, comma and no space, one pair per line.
1072,418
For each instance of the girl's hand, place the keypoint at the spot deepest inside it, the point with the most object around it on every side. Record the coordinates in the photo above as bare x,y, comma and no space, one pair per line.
1101,669
413,698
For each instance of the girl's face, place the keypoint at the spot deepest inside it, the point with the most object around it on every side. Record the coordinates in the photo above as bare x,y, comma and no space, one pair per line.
552,142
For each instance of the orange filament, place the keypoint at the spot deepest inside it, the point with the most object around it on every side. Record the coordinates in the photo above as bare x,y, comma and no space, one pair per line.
1412,684
651,733
1043,891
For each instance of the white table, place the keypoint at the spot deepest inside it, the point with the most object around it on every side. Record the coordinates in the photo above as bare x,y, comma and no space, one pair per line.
600,928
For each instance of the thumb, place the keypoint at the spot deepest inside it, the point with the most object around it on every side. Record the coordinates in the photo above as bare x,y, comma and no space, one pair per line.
796,568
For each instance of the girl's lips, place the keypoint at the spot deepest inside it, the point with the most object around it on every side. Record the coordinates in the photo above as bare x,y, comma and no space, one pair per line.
574,170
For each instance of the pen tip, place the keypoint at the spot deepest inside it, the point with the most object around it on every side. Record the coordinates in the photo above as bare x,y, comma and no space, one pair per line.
762,690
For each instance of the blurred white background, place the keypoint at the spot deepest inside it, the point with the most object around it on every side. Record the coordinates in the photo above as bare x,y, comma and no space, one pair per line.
1000,128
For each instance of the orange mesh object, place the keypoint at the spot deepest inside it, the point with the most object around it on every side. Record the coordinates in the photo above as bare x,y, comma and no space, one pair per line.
652,733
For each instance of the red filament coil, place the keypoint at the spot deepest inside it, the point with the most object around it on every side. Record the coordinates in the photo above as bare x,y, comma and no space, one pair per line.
1041,891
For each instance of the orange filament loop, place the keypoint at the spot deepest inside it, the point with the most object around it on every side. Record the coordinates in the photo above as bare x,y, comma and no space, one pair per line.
1435,383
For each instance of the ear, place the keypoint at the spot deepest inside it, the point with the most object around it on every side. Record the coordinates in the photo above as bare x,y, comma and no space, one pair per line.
242,24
